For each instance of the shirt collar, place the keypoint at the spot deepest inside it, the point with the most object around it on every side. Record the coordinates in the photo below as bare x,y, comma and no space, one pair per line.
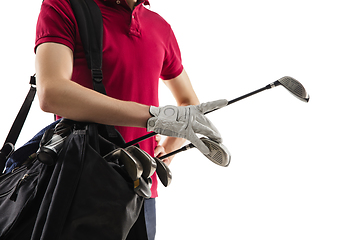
146,2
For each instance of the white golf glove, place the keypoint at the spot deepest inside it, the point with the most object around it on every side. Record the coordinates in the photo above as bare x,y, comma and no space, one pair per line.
186,122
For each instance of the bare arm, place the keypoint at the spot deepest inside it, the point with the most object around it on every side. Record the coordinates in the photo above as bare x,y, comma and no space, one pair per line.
184,94
59,95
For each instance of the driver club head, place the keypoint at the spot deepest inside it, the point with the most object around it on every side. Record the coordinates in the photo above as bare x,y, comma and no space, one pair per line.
163,172
133,166
219,154
148,163
294,87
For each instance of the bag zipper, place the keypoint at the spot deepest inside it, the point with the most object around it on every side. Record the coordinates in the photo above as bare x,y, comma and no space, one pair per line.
6,193
26,165
15,193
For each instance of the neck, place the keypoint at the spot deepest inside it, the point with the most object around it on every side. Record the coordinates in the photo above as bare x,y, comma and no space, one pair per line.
131,3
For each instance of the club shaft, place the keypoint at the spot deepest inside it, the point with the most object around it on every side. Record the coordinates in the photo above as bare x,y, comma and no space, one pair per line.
244,96
140,139
187,147
248,95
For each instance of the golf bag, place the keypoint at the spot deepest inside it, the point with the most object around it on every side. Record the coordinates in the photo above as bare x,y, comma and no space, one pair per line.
80,195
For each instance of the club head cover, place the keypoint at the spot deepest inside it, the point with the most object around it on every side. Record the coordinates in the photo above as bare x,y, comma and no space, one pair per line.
142,187
148,163
163,172
44,155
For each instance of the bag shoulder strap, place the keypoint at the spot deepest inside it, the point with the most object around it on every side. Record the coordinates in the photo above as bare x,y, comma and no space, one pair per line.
89,21
9,144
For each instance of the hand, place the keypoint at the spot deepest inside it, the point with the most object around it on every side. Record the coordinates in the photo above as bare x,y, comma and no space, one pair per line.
160,151
186,122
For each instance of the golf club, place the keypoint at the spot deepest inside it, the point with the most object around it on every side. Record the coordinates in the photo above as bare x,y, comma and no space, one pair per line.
133,168
139,163
289,83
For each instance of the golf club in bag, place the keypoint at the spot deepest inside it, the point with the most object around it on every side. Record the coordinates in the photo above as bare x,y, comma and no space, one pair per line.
140,165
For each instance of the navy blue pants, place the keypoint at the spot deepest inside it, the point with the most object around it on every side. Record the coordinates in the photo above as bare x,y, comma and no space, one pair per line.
145,227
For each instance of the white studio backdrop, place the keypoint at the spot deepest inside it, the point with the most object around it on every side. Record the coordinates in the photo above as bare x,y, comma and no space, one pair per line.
295,170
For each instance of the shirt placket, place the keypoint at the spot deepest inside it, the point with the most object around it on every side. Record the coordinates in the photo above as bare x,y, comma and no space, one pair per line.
134,27
134,23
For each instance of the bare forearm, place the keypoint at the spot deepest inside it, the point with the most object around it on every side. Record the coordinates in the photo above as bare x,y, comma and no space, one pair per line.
73,101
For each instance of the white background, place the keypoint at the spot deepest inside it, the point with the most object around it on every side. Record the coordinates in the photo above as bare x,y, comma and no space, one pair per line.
295,168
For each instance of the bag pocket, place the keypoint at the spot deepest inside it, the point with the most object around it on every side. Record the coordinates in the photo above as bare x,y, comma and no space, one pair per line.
17,190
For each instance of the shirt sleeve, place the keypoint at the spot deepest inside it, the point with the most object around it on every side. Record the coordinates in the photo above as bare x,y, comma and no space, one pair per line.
56,23
172,66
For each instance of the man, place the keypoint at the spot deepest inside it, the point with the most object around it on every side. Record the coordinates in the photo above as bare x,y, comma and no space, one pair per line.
139,47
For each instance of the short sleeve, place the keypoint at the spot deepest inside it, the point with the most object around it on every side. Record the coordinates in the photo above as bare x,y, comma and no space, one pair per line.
56,23
172,66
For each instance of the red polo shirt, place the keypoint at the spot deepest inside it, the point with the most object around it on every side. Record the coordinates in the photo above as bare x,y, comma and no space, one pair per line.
139,47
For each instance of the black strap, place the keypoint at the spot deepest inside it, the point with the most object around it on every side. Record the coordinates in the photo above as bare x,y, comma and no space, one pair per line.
89,19
15,130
